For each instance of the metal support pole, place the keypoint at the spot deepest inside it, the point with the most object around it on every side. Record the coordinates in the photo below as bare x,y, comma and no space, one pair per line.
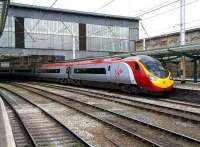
182,38
182,21
74,43
177,70
195,71
198,64
145,32
74,47
144,44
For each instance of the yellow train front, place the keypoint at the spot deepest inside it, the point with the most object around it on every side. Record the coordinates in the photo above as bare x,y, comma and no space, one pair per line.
152,76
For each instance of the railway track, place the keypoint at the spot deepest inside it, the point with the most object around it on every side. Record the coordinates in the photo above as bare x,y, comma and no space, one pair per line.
42,129
139,128
168,100
184,98
20,133
106,134
180,112
186,95
187,104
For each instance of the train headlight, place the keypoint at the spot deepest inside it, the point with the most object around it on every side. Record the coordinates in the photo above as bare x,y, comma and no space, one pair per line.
170,77
152,78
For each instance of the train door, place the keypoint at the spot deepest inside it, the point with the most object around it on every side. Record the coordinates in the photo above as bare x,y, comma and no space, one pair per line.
137,72
68,72
108,73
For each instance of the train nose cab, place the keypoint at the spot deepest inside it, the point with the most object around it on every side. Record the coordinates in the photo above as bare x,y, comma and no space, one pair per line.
160,78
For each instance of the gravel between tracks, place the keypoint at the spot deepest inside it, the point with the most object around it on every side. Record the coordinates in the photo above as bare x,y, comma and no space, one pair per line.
118,120
44,130
136,98
96,133
178,125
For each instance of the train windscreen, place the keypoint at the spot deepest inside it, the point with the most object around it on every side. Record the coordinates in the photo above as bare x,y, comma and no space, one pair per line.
154,66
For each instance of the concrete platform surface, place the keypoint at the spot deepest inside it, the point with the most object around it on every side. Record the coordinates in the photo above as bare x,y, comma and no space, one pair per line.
6,135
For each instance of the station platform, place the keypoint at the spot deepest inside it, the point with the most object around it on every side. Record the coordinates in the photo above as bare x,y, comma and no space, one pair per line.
188,85
6,135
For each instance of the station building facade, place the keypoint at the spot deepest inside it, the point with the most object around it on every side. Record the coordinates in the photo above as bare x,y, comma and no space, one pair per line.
31,30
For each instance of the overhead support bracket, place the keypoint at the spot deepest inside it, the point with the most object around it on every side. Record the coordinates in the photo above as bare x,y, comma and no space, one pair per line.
181,53
4,4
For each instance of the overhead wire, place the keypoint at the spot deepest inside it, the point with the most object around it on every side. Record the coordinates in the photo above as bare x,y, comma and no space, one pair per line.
187,4
55,1
145,31
109,27
105,5
29,32
164,4
175,31
137,13
187,28
33,2
189,22
151,10
156,8
67,27
169,10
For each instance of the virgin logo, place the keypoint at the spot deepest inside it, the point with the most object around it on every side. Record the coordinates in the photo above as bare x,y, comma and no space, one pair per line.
118,72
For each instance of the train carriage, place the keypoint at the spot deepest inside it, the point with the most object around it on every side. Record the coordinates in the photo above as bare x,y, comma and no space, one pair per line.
136,72
52,72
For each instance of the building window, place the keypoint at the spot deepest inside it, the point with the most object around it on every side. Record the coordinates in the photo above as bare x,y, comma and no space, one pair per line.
8,37
49,71
50,34
90,70
107,38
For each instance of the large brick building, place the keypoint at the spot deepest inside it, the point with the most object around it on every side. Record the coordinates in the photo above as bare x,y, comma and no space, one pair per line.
169,40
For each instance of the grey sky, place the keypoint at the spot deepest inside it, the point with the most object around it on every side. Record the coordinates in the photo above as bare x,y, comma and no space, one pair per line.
162,21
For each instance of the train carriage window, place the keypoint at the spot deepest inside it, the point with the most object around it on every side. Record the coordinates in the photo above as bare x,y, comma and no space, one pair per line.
137,67
90,70
49,71
154,66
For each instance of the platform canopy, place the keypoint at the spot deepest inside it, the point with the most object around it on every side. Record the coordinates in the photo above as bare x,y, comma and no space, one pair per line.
172,53
3,13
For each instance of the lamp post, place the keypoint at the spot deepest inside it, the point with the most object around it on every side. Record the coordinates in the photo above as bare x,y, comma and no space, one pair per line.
182,39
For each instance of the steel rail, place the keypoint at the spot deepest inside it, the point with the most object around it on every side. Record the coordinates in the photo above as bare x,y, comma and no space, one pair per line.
99,119
114,98
44,93
180,103
67,130
21,137
20,119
